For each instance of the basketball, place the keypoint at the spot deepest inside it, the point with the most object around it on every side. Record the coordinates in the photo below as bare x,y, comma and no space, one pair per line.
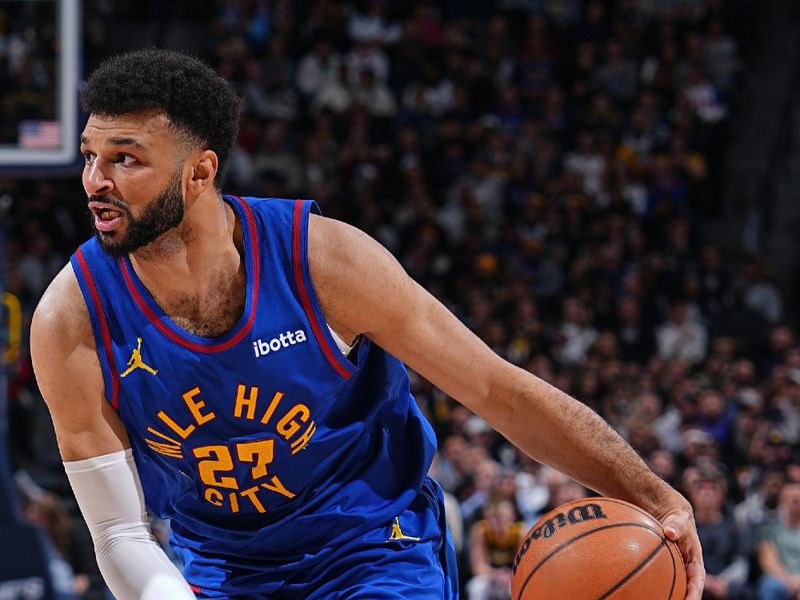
598,549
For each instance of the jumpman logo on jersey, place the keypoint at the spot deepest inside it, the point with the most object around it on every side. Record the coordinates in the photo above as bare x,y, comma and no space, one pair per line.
136,362
397,533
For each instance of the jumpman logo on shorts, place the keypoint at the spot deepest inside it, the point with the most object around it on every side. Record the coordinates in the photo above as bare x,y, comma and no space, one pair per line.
136,362
397,533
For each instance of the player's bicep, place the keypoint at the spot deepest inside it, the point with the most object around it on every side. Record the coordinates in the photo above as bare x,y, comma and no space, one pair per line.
363,289
433,342
69,376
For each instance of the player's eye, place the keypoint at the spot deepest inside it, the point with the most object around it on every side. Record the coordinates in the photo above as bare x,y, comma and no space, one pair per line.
125,159
88,157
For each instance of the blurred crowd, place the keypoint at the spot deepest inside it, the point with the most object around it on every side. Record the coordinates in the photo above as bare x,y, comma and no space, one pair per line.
545,168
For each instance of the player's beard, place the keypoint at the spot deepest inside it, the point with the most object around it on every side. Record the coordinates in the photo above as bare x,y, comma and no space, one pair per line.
164,212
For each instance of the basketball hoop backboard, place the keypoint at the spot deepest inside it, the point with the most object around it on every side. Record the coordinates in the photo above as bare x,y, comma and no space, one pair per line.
39,77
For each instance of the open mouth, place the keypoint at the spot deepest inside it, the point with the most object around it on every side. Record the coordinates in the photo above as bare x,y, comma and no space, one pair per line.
106,217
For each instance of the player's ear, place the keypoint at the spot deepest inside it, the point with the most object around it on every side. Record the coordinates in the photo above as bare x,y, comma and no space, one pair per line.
204,170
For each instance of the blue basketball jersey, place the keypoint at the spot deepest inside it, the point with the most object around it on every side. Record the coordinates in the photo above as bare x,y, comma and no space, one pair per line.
265,445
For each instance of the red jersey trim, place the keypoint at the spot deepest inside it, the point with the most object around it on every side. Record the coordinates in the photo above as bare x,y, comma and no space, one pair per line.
104,331
305,298
184,341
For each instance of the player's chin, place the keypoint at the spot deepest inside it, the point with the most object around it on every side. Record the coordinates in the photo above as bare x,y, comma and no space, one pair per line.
109,239
113,243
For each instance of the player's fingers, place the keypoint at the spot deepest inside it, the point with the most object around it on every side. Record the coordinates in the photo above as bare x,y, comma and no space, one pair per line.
672,533
677,526
695,578
679,529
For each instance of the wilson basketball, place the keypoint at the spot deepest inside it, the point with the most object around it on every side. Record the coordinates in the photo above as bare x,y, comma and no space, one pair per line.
598,549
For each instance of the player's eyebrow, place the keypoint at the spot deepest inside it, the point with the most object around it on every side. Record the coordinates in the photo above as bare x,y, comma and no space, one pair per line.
126,141
119,141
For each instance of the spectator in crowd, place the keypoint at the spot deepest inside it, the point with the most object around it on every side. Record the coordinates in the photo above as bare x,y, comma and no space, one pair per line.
634,333
779,549
577,334
47,512
761,294
724,550
588,164
493,544
680,337
317,66
484,479
334,93
761,504
713,417
617,76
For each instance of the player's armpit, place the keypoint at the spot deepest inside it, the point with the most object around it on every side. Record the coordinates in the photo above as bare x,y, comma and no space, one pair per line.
68,373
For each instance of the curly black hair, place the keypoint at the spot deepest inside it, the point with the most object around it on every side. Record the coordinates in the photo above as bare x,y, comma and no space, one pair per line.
197,101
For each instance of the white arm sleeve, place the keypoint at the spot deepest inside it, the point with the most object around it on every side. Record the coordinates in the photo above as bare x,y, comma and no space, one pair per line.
111,500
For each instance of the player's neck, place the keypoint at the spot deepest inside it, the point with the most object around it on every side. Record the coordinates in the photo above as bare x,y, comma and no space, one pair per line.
205,247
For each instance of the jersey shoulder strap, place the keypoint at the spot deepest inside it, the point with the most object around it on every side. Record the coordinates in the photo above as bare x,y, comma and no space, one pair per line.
98,277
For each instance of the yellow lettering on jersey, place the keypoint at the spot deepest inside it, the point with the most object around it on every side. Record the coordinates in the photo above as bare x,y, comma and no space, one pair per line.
251,494
181,431
300,443
165,449
196,405
259,453
213,496
243,401
275,485
271,408
287,426
163,437
218,460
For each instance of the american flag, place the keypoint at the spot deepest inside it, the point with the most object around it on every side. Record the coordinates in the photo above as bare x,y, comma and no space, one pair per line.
40,135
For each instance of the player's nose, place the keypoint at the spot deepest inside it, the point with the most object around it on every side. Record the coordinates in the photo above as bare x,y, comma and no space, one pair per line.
95,180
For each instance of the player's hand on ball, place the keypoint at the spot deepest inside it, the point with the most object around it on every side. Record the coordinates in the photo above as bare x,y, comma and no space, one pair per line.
677,519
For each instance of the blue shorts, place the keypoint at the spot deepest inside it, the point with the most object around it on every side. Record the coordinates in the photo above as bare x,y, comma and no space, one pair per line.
411,556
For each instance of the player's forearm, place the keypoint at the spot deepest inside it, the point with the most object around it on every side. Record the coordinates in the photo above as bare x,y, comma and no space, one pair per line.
135,567
110,497
555,429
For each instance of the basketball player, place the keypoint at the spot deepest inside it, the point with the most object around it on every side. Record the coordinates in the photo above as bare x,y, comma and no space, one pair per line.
234,365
